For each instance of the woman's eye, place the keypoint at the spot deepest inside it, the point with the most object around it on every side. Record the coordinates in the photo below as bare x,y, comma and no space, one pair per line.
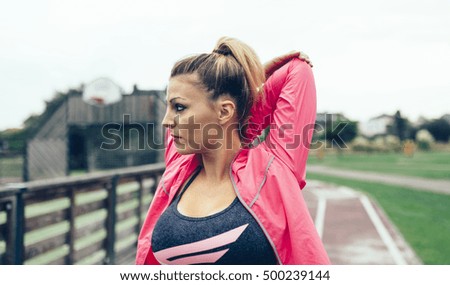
179,107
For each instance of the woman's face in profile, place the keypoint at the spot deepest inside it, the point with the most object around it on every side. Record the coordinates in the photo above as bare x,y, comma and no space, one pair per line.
191,116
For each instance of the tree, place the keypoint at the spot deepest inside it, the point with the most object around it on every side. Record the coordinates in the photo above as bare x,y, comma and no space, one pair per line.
14,139
400,127
439,128
341,132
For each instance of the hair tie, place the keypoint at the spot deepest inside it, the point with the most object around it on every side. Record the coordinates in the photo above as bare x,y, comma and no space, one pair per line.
222,52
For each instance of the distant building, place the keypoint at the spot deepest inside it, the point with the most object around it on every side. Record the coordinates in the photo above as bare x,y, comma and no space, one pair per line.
376,126
81,136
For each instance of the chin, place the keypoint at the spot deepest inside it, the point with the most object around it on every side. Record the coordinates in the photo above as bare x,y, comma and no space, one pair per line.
183,150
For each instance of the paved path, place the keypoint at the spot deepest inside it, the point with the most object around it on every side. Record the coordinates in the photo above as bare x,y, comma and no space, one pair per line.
432,185
353,228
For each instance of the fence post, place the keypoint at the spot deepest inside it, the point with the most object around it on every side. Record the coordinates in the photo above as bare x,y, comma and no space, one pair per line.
139,208
10,232
71,235
16,226
111,221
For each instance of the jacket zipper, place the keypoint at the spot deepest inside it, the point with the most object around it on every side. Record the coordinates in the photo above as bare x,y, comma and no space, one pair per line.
251,211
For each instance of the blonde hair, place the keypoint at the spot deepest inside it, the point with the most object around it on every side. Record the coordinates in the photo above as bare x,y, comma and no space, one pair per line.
233,69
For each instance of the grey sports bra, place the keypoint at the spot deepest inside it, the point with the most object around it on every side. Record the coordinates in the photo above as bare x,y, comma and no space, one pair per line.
231,236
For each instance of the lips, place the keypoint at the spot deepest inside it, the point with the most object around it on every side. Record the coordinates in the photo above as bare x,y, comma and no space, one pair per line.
176,139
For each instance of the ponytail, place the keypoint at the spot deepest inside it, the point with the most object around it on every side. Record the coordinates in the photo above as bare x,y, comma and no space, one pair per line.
247,58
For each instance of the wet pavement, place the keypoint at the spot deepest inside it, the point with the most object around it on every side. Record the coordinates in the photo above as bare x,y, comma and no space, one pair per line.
353,228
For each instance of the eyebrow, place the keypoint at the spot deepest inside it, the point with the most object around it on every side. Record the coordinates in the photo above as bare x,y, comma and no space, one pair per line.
175,98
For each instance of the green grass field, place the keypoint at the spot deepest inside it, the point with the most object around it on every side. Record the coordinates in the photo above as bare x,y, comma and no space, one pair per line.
422,217
434,165
11,166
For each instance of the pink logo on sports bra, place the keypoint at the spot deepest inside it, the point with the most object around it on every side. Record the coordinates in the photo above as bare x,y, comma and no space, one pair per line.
225,238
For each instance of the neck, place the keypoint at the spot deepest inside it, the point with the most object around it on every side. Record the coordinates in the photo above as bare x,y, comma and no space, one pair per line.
216,163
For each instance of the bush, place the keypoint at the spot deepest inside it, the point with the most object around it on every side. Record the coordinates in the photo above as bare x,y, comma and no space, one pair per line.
393,143
424,139
364,145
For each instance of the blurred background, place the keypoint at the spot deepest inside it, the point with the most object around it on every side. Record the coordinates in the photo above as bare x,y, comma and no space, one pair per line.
381,71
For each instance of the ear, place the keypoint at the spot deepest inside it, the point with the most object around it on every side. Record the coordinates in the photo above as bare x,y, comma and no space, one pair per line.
226,109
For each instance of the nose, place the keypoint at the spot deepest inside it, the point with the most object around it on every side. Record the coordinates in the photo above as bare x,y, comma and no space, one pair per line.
168,120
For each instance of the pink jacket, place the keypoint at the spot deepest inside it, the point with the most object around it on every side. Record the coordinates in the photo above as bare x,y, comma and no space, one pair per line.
267,178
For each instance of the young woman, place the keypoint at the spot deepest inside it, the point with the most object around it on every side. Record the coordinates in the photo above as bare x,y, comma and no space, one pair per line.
224,199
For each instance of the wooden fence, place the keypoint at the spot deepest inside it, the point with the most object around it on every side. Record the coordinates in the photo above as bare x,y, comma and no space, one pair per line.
89,219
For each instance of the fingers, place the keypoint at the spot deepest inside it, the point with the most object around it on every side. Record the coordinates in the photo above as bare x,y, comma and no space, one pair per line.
279,61
294,53
303,56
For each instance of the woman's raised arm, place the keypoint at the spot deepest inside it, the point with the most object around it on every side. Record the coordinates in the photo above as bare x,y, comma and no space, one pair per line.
290,110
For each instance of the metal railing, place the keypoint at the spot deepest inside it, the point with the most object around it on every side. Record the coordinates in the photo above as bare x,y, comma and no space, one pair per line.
89,219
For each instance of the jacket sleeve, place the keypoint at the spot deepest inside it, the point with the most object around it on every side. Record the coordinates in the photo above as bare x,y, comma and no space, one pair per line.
290,110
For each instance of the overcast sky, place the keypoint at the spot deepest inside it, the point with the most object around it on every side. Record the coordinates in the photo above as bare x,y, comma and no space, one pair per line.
370,57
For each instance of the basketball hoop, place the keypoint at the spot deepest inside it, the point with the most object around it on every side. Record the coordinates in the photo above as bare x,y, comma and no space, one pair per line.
101,92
